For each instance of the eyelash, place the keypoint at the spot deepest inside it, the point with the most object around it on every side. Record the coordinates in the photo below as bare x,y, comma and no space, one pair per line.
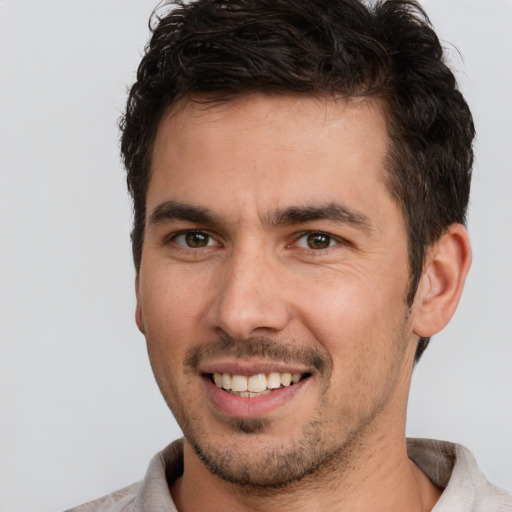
332,240
191,232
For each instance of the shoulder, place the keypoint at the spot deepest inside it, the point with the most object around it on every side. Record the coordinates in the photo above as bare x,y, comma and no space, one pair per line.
152,493
453,467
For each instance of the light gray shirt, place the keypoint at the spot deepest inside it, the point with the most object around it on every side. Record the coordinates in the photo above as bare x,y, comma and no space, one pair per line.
448,465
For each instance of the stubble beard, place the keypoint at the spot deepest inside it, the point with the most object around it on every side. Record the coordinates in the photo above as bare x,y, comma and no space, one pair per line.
262,468
267,468
248,461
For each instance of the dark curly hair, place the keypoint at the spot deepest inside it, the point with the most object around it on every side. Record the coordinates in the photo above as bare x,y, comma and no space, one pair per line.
213,50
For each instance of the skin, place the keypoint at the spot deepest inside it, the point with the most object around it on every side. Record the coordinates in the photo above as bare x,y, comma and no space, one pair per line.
231,280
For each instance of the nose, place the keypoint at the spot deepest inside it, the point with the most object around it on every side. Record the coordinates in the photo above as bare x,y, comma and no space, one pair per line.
250,299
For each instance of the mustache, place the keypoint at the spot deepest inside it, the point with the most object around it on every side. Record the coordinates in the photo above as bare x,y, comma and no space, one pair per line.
264,348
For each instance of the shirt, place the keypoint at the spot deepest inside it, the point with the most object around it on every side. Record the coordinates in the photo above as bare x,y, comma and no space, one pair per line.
448,465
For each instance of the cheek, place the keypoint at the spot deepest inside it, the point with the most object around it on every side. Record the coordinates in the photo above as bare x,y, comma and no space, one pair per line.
337,308
171,306
169,321
356,319
166,292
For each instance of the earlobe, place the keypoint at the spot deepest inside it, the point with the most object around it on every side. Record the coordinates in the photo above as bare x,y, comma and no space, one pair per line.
446,266
139,319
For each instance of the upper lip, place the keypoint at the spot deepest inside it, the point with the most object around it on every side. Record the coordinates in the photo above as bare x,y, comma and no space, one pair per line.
248,367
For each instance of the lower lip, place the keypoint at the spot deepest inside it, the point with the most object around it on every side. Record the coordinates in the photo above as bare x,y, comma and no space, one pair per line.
251,407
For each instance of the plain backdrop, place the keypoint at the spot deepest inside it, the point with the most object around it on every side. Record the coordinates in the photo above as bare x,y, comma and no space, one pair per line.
80,414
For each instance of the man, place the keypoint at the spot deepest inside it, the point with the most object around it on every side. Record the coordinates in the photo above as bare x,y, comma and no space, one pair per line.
300,172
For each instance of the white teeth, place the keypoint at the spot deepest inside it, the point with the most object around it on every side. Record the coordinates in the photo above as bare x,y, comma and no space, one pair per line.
217,378
226,381
257,383
273,380
286,379
254,383
239,383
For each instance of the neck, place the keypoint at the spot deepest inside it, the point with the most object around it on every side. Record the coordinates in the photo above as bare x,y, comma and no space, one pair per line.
382,478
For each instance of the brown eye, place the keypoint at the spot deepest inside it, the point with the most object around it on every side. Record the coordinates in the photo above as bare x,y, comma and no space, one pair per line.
194,239
318,241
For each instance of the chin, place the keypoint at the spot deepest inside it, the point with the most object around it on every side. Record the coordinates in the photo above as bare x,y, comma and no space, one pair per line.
253,458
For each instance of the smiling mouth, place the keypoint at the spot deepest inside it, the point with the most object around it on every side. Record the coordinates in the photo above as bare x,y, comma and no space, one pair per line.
255,385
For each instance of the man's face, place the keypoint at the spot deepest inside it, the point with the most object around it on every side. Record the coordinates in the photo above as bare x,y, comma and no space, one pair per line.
273,250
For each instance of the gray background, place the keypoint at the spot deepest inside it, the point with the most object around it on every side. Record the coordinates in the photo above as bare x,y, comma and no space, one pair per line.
80,414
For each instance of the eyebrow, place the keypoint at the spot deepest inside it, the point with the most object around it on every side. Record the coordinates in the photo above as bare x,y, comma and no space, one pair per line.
332,211
173,210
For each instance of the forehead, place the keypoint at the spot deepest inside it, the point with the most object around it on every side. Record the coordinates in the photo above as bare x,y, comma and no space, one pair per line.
299,114
270,151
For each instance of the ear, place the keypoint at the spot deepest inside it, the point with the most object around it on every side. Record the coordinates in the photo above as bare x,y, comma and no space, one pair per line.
446,266
139,318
